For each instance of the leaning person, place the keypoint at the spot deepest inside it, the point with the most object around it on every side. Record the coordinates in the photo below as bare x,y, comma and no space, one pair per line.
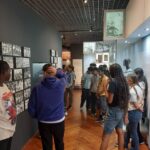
118,96
46,104
7,109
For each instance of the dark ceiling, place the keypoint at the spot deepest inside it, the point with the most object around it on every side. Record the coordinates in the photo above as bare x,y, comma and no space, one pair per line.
74,18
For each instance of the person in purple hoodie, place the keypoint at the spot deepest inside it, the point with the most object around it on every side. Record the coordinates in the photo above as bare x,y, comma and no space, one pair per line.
46,104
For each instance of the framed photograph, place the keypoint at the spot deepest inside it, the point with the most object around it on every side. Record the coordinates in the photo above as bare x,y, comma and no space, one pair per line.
27,83
26,52
26,73
114,24
17,50
26,104
19,62
9,60
11,86
19,97
6,48
19,85
27,93
17,74
20,108
52,52
26,62
51,60
55,60
105,57
99,58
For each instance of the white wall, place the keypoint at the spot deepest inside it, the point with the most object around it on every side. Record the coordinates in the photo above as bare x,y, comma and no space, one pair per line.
136,13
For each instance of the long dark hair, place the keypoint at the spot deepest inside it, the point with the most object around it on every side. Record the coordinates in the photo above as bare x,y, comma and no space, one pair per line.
122,93
4,67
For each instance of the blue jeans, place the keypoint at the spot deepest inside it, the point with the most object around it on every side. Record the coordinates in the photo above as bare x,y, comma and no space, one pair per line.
114,120
134,117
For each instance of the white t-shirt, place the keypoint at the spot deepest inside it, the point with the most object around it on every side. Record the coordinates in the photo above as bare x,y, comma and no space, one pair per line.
7,113
134,97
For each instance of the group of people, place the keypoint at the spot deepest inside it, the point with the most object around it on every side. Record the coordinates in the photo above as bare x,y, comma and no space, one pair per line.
117,98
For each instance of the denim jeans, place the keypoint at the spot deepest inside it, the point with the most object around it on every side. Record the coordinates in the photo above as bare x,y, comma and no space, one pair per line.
114,120
134,117
93,102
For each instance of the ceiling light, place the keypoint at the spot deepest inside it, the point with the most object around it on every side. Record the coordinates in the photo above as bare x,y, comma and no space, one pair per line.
126,41
147,29
139,35
85,1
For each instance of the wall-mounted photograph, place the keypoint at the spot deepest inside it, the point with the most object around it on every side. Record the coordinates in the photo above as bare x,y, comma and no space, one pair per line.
26,73
52,52
26,52
26,62
9,60
55,60
51,60
20,108
17,74
17,50
6,48
12,86
27,93
19,97
27,83
19,62
19,85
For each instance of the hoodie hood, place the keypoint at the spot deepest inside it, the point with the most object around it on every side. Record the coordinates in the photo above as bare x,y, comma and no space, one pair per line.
50,82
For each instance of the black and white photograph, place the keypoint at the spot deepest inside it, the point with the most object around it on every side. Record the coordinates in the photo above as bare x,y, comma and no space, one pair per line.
17,74
55,60
26,73
12,86
19,97
19,62
27,93
26,52
51,60
26,62
17,50
20,108
26,104
6,49
9,60
19,85
27,83
52,52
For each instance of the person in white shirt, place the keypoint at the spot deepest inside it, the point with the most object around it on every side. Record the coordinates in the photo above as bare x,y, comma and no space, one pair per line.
7,109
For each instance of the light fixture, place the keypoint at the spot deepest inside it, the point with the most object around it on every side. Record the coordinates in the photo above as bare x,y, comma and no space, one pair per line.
139,35
126,41
147,29
85,1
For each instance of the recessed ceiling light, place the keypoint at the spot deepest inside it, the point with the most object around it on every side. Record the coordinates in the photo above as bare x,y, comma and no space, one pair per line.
85,1
147,29
139,35
126,41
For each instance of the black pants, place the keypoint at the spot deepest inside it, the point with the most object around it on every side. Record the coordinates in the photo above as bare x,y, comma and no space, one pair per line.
5,144
49,131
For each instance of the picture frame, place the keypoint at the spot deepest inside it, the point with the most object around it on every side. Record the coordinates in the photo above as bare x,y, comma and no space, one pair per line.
6,49
51,60
27,93
20,108
52,52
114,24
26,52
19,85
55,60
16,50
19,97
9,60
17,75
26,73
27,83
99,58
11,86
19,62
26,62
26,104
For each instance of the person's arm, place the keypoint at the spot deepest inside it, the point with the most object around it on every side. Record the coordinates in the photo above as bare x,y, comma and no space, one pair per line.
111,91
110,97
32,104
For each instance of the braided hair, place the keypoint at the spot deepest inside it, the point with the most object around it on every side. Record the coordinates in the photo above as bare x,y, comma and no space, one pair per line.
122,92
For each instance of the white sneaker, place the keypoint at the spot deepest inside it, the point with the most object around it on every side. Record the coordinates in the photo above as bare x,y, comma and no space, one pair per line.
66,113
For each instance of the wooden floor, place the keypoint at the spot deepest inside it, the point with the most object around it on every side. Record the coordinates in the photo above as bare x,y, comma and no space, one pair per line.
81,131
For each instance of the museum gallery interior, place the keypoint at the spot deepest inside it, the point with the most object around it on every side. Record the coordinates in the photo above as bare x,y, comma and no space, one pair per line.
78,32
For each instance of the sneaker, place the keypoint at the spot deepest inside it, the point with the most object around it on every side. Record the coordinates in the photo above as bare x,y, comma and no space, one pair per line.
66,113
142,143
